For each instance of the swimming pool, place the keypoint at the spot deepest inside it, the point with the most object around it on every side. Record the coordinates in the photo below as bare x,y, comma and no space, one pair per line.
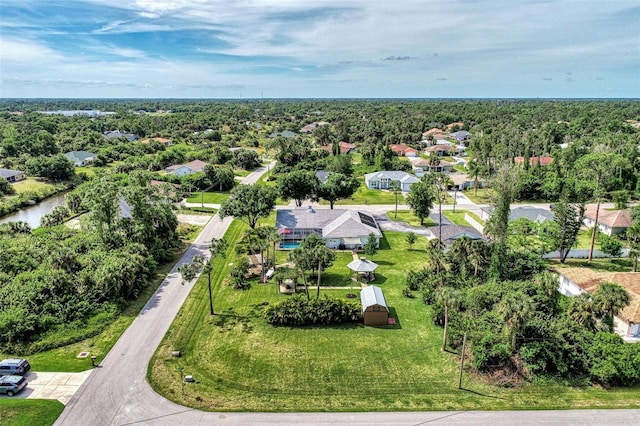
289,245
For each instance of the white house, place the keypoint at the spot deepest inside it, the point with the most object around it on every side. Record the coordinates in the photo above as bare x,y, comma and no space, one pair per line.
382,180
80,158
610,222
574,281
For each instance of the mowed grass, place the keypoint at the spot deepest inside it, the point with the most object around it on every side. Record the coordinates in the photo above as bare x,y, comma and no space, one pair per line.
364,196
240,363
29,412
31,184
410,218
208,197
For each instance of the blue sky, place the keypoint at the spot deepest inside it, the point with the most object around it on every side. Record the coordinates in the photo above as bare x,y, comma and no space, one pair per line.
314,48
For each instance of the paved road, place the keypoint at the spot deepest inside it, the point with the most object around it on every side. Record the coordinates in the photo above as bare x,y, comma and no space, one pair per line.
117,393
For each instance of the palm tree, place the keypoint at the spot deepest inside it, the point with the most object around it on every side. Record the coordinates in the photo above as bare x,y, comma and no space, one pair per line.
633,242
437,261
216,248
459,253
325,257
477,255
449,298
394,187
254,243
299,259
474,170
515,308
609,299
271,236
581,310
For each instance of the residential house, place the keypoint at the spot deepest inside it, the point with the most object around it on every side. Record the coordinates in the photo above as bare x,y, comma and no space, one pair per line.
534,214
382,180
309,128
455,125
422,166
340,229
433,134
323,175
534,161
463,181
574,281
460,135
13,175
163,141
345,147
441,150
189,168
610,222
118,134
80,158
284,134
450,233
403,150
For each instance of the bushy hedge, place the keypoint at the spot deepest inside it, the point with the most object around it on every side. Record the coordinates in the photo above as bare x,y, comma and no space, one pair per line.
299,311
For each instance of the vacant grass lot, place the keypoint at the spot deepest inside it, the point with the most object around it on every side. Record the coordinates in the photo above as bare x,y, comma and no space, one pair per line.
29,412
242,364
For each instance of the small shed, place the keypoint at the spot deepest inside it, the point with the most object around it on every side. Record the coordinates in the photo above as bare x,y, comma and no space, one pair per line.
374,306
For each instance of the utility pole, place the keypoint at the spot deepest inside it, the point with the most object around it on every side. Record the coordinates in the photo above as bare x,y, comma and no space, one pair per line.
464,346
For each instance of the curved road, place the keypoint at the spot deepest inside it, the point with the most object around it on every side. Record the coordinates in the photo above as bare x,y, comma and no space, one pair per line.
117,392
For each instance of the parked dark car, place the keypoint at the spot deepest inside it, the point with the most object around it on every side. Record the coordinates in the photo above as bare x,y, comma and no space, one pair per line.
11,385
14,366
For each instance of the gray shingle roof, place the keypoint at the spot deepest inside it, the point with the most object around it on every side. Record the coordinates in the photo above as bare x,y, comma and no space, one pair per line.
400,176
334,223
531,213
7,173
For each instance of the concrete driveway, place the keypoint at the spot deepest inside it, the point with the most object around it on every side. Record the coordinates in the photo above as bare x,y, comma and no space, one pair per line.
60,386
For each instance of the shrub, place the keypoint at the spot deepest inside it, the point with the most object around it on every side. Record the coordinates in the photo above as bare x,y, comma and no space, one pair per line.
299,311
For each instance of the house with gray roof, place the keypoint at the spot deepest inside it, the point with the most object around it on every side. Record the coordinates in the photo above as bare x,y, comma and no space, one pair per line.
340,229
189,168
118,134
80,158
532,213
12,175
382,180
450,233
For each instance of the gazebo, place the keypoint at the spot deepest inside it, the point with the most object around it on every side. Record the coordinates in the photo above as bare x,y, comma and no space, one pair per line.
364,267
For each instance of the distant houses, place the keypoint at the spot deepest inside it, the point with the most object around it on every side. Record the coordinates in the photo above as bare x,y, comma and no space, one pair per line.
403,150
163,141
421,166
80,158
345,147
12,176
535,161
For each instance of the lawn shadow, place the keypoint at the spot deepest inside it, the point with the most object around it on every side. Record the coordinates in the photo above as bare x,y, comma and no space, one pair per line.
398,324
379,279
480,393
228,320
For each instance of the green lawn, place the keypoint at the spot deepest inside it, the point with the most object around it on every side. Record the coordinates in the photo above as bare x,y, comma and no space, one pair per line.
410,218
208,197
456,218
482,197
31,184
29,412
242,364
366,196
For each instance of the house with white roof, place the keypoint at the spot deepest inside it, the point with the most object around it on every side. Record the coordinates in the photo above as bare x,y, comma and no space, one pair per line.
340,229
382,180
189,168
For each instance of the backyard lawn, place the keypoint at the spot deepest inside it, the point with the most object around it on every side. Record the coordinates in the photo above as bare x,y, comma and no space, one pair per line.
240,363
410,218
366,196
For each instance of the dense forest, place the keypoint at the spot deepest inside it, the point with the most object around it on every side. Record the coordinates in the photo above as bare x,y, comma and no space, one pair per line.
55,278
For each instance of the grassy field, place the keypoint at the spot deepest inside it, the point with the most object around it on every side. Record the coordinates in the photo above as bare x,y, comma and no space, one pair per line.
242,364
29,412
366,196
31,184
456,218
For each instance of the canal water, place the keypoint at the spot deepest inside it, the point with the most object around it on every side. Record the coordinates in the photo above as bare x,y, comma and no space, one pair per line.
33,214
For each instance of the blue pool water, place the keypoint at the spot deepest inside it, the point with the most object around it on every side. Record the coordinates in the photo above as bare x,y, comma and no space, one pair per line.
289,246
